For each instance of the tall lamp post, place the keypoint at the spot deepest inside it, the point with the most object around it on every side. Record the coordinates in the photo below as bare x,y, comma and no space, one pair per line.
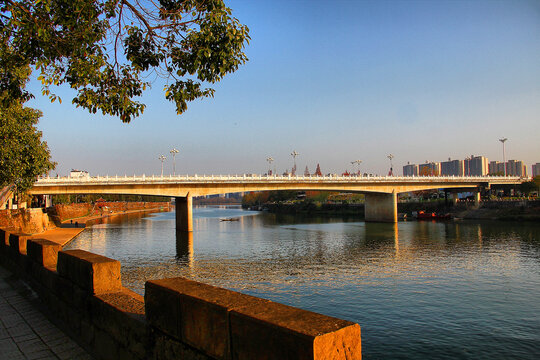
269,159
503,140
357,162
173,152
294,154
162,158
390,157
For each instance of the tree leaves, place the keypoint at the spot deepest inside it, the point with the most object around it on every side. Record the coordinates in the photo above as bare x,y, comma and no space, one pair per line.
23,155
104,48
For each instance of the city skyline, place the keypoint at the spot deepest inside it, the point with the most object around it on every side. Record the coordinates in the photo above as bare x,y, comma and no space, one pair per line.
448,79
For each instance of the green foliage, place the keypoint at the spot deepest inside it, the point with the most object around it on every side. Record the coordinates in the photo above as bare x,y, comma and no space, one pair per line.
23,156
104,49
530,186
536,180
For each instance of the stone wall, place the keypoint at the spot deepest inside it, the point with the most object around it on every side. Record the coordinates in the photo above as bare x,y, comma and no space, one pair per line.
177,318
26,221
74,211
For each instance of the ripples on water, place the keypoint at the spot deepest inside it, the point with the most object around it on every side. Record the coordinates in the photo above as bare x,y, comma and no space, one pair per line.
418,289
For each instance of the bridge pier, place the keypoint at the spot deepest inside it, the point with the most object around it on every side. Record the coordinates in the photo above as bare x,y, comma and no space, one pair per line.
184,213
477,198
381,207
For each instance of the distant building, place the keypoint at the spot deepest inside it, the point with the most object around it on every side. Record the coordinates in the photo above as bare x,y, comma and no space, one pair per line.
536,169
429,169
410,170
78,174
476,166
516,168
496,168
452,168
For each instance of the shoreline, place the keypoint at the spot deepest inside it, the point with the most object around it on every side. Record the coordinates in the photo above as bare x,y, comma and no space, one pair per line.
64,235
524,210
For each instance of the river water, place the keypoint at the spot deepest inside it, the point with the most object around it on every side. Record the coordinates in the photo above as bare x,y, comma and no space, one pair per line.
419,290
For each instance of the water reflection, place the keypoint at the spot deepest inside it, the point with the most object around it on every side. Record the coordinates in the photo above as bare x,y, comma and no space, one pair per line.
415,287
184,247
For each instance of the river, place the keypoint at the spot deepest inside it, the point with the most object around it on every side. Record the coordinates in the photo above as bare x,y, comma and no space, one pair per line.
419,290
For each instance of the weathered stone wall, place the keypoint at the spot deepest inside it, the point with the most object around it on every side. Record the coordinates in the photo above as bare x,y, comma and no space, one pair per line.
74,211
26,221
177,319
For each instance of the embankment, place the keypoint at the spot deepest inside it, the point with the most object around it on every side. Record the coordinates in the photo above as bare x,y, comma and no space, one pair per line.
489,210
176,319
36,221
66,212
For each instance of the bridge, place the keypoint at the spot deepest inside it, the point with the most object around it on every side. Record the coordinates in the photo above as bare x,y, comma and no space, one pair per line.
380,192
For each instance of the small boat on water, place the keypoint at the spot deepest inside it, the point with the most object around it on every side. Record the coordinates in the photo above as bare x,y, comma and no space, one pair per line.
422,215
230,219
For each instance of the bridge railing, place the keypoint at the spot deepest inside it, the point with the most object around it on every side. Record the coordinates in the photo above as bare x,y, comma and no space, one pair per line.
270,178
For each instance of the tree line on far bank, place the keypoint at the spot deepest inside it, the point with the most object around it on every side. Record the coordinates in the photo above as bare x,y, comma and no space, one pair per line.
260,198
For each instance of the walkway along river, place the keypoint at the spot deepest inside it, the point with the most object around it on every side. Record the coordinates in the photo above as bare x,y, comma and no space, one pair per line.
418,289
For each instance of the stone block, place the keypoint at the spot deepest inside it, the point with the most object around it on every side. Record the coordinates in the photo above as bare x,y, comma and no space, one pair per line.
104,346
162,308
121,314
166,347
94,273
4,237
269,330
18,243
201,313
44,252
226,324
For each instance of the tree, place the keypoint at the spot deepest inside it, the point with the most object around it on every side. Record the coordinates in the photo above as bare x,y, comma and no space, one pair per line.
23,155
105,49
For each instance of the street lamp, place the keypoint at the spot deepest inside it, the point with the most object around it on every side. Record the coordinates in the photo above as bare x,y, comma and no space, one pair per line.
503,140
357,162
270,159
390,157
162,158
173,152
294,154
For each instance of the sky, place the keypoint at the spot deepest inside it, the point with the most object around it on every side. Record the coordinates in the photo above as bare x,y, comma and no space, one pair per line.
336,81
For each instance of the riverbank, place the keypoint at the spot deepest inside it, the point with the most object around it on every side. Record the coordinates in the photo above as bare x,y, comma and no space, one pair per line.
39,221
520,210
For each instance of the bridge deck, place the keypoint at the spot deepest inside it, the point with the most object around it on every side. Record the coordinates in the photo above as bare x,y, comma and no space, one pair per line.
216,184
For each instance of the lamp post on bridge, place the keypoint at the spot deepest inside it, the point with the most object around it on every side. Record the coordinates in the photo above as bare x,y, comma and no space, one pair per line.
294,154
503,140
162,158
270,160
357,162
173,152
390,157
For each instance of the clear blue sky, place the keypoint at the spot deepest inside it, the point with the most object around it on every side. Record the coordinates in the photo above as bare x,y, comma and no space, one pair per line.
336,81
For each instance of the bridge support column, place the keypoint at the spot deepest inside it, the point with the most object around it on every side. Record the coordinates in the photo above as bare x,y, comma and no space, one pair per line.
477,198
455,198
381,207
184,213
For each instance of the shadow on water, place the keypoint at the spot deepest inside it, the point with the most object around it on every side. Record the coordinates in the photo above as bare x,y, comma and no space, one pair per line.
184,247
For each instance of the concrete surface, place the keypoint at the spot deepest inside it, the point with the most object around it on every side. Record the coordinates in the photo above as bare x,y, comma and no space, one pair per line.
25,332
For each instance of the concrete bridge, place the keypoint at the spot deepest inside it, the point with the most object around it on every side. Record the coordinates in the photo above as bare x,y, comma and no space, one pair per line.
380,192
